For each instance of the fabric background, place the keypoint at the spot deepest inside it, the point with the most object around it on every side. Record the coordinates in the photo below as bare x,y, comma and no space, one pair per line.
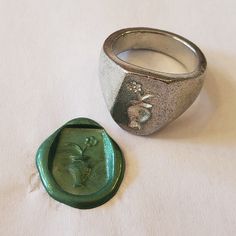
180,181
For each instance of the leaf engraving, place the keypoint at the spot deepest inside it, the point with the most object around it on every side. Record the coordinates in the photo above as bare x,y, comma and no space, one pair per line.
79,167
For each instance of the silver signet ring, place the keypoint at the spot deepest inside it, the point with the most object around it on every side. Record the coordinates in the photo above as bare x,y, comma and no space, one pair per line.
142,100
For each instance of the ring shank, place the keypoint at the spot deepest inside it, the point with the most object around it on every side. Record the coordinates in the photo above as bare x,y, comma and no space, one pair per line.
175,46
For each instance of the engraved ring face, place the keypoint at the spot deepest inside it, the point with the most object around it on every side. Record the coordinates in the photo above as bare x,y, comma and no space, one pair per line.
140,100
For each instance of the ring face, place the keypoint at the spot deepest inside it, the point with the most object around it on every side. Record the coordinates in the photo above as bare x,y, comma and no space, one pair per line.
142,101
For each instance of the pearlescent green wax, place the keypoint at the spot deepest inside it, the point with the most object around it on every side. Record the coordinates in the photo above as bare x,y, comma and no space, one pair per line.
80,165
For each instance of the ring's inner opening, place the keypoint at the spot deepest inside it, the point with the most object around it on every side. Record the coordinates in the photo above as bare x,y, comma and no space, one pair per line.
153,60
171,46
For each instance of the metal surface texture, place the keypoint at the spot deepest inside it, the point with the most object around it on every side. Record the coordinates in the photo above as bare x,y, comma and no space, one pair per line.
140,100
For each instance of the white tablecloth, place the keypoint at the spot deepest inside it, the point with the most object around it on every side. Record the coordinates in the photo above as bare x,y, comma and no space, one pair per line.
180,181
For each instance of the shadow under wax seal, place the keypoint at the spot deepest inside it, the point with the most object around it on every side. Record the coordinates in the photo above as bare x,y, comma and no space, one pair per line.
80,165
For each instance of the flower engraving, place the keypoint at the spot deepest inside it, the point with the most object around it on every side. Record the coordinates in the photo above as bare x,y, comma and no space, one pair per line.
139,111
134,87
78,166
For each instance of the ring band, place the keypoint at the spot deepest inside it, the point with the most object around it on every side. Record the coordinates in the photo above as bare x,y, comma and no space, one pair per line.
141,100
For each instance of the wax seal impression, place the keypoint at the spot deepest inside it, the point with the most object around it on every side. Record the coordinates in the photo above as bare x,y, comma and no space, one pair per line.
80,164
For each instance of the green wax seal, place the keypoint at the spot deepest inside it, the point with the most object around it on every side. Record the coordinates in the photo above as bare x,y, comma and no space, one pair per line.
80,165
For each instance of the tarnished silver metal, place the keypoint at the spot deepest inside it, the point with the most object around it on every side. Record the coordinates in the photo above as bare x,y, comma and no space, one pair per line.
141,100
